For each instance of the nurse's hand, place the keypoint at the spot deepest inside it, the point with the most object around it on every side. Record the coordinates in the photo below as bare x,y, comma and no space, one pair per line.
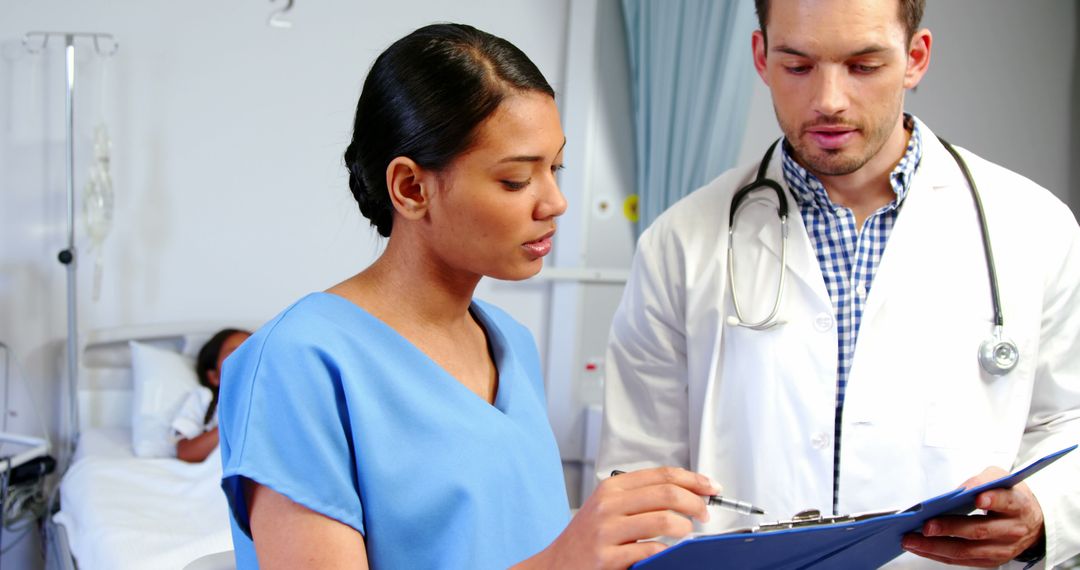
624,510
1013,522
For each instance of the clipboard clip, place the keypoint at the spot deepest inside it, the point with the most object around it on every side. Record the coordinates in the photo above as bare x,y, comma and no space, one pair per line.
813,517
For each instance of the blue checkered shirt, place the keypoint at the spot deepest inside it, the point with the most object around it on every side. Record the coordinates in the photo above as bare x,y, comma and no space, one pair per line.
848,258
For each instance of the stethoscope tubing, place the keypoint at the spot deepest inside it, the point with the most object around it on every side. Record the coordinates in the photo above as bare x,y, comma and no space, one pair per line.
988,252
760,181
771,320
997,355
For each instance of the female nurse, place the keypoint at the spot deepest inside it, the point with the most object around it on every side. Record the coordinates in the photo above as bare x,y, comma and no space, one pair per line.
393,421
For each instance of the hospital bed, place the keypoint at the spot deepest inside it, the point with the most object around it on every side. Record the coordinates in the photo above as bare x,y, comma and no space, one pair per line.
121,511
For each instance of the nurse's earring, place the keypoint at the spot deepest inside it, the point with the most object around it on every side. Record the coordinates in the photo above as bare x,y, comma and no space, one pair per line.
997,354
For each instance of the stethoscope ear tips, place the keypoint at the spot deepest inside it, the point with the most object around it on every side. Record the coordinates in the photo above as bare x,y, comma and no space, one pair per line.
998,355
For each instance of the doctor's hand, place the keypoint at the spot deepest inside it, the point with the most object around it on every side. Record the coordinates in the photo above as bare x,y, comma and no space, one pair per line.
624,510
1013,522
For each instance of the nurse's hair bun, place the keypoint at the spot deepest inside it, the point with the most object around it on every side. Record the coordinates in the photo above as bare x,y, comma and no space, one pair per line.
374,207
423,99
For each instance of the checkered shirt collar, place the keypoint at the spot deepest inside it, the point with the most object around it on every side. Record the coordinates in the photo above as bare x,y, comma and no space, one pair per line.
808,189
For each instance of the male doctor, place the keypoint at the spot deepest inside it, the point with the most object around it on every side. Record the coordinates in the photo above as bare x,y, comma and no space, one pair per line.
869,394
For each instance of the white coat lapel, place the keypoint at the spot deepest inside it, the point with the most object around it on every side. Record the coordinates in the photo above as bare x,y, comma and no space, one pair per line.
924,212
801,260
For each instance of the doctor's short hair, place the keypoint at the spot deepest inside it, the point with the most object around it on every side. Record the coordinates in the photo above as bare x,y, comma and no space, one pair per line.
423,99
909,11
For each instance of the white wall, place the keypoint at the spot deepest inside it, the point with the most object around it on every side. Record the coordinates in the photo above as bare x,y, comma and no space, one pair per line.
231,200
595,233
1002,83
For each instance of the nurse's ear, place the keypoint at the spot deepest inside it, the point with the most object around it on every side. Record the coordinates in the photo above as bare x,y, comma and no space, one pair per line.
409,194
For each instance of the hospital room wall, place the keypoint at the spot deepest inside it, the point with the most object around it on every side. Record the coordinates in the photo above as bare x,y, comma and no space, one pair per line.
227,135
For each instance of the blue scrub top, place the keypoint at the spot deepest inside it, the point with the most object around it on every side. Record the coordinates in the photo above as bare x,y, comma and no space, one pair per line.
332,408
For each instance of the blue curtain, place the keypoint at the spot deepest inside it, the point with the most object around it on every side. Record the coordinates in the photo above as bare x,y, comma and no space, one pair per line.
692,76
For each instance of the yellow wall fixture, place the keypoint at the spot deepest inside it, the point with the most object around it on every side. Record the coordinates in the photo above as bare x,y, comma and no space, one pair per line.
630,208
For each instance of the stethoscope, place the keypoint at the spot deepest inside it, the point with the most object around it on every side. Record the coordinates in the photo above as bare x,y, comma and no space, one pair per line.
997,354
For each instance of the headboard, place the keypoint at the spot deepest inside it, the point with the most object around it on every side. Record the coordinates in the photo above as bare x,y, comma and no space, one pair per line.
105,388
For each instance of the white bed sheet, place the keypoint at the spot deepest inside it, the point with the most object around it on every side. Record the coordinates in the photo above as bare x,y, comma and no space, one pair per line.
124,512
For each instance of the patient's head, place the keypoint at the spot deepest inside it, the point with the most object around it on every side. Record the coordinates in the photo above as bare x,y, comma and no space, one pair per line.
424,99
214,352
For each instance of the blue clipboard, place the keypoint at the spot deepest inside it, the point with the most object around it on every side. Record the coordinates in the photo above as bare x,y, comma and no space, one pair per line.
866,543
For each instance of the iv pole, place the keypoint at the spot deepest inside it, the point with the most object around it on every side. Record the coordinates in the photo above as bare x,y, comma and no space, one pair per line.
67,255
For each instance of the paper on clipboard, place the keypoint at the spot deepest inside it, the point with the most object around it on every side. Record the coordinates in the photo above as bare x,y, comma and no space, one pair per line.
866,543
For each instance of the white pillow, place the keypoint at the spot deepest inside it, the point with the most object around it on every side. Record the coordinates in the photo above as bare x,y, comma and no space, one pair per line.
161,378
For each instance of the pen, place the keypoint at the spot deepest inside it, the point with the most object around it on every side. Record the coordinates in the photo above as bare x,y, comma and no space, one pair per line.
723,502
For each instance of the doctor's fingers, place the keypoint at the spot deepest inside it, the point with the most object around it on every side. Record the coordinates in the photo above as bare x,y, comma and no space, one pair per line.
960,551
1018,531
1018,501
984,528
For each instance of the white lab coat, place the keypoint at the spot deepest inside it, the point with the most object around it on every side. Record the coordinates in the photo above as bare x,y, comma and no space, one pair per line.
755,409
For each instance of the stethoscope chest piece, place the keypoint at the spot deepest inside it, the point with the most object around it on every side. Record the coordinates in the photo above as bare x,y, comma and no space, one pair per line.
998,355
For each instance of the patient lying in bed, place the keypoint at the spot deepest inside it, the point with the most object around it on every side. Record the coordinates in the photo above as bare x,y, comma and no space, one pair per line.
195,426
126,502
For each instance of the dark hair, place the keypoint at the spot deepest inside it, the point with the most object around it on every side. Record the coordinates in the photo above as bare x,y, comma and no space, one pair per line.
207,361
910,13
423,99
